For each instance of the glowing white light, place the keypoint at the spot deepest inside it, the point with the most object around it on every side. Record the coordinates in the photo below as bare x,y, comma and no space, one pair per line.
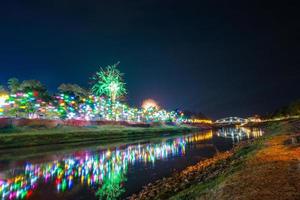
113,87
3,99
149,103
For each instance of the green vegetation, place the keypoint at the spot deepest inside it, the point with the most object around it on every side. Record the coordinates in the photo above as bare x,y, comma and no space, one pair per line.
201,180
109,82
293,109
242,153
237,161
2,89
73,90
25,137
103,101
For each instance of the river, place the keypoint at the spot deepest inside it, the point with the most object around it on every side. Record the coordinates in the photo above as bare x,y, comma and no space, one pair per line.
113,172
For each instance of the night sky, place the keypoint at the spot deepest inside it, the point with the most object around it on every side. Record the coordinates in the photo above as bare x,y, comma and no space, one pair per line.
223,58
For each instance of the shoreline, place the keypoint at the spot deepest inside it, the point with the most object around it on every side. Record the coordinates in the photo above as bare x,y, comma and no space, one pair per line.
34,137
206,179
42,150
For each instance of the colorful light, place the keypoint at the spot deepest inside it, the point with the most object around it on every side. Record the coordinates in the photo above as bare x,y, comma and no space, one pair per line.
109,82
3,99
104,170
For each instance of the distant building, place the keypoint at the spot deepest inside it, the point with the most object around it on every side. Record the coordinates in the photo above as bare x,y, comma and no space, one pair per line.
254,118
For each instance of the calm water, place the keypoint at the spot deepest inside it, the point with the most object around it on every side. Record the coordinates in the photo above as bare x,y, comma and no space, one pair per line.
114,172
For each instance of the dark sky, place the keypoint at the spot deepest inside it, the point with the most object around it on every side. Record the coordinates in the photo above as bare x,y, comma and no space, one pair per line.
218,57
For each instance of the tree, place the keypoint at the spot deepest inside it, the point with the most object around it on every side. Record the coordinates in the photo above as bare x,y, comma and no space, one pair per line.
30,85
35,86
2,89
33,97
71,98
73,89
3,98
109,82
13,85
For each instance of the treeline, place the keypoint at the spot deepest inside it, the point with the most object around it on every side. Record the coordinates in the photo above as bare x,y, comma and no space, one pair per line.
14,86
31,99
292,109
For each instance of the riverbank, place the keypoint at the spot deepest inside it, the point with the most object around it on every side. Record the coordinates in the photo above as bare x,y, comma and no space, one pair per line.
267,167
19,137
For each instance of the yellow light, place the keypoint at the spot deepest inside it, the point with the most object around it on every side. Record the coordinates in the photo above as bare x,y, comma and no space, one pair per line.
3,98
149,103
205,121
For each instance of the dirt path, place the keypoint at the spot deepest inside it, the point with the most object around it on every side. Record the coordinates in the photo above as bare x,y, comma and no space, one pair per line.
262,169
272,173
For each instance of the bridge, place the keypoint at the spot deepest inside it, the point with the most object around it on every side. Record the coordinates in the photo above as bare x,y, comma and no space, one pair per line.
231,121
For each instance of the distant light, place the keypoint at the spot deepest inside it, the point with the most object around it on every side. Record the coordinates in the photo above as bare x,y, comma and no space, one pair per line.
149,103
3,99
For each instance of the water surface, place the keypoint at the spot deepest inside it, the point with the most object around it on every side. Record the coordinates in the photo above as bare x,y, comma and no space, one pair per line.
113,172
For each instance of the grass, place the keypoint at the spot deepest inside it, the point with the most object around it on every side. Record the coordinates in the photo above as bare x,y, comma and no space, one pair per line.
197,190
27,136
200,189
238,160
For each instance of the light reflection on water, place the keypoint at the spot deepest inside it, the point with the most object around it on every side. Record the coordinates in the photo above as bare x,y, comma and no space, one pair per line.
103,171
238,134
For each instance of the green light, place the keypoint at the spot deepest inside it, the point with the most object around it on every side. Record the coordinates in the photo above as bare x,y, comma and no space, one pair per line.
109,82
